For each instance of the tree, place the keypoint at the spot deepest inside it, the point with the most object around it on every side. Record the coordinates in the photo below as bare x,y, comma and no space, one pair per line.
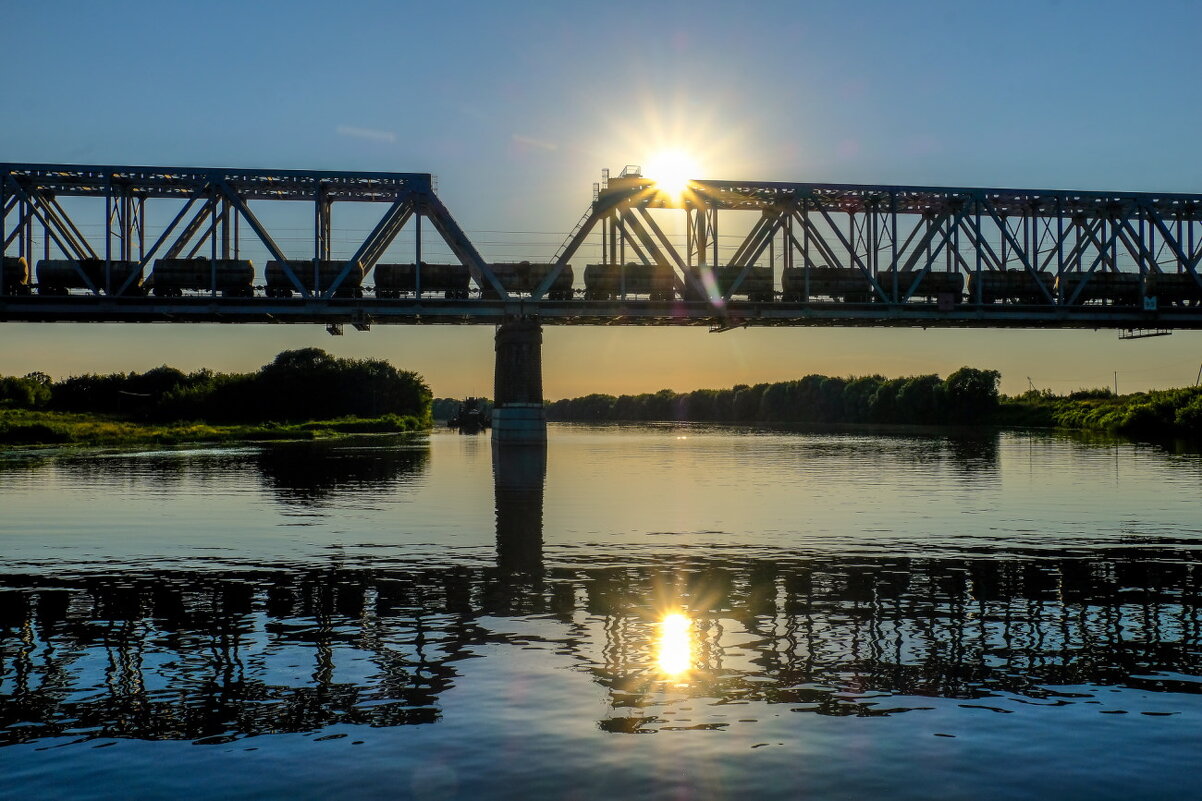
972,394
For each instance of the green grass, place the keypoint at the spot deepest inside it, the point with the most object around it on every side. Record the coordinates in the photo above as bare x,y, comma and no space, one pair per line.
25,427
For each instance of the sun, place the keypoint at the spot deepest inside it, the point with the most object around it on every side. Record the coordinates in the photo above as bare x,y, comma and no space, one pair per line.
672,170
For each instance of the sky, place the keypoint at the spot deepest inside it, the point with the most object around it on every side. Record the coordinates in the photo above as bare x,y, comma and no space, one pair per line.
516,108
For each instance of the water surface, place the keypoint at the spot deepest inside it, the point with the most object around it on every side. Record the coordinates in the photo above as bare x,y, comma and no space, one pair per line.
920,615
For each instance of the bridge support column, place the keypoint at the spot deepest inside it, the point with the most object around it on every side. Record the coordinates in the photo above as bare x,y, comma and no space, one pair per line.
518,415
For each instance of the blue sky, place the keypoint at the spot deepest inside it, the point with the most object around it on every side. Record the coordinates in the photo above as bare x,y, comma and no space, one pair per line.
517,106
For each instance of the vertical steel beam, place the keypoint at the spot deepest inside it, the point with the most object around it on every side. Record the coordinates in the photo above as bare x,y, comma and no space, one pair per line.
417,266
222,186
110,211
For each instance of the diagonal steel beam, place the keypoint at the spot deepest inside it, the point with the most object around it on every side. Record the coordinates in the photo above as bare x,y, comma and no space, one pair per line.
766,237
194,225
457,241
925,243
855,257
68,225
148,256
1174,244
1103,248
51,231
597,212
377,241
240,205
689,279
1007,235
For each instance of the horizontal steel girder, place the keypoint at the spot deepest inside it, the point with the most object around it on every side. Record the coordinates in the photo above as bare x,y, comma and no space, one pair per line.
859,198
90,308
67,180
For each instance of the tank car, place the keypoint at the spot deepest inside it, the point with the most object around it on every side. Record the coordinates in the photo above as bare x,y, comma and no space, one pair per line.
16,276
1173,289
233,278
1114,289
524,277
1012,286
59,276
280,286
757,285
395,280
838,283
932,286
606,281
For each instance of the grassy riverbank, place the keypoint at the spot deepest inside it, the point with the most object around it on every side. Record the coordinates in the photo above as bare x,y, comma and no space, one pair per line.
1167,413
301,394
26,427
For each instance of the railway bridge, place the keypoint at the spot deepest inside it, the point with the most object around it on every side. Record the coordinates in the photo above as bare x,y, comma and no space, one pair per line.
174,244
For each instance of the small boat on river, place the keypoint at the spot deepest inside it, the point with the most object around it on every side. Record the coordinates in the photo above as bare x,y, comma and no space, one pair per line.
472,417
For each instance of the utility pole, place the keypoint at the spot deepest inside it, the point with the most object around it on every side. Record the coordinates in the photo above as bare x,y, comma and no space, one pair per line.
1116,383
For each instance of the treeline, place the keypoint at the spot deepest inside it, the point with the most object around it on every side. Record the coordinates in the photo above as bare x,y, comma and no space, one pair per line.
968,395
1148,415
298,385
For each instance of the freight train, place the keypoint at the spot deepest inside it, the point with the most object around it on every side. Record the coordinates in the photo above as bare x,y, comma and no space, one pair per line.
235,278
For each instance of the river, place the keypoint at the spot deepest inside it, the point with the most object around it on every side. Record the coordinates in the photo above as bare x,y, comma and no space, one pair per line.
660,611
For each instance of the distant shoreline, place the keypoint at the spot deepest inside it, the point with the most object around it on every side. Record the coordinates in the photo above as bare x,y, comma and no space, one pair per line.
967,399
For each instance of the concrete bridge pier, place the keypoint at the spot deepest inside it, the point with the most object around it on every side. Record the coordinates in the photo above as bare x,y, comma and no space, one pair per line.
518,416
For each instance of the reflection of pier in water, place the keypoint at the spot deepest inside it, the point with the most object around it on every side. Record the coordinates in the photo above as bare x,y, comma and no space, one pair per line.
187,655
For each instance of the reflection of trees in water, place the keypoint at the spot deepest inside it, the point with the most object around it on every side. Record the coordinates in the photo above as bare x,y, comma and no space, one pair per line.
187,656
164,469
298,472
310,472
974,453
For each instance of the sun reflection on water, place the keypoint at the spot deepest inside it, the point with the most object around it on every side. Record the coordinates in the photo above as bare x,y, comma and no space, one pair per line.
675,646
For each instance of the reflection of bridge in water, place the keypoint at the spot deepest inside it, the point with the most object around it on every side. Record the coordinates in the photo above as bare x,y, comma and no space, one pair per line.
208,656
76,248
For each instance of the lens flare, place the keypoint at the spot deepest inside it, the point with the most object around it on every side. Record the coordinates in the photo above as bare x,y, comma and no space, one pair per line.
675,646
672,170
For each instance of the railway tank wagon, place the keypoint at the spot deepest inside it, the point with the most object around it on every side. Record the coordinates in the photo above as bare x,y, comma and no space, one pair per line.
60,276
943,288
523,278
398,280
757,285
16,276
609,281
280,286
846,284
233,278
1112,289
1012,286
1174,289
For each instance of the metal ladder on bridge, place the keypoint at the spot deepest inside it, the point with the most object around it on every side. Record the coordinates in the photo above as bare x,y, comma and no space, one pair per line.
584,218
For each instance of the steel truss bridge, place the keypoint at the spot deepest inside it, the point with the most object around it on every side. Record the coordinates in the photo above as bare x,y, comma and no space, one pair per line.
806,253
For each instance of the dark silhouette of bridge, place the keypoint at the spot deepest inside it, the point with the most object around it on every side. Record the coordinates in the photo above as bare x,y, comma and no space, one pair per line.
804,254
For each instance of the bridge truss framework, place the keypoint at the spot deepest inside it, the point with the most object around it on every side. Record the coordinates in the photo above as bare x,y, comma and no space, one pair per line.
892,237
